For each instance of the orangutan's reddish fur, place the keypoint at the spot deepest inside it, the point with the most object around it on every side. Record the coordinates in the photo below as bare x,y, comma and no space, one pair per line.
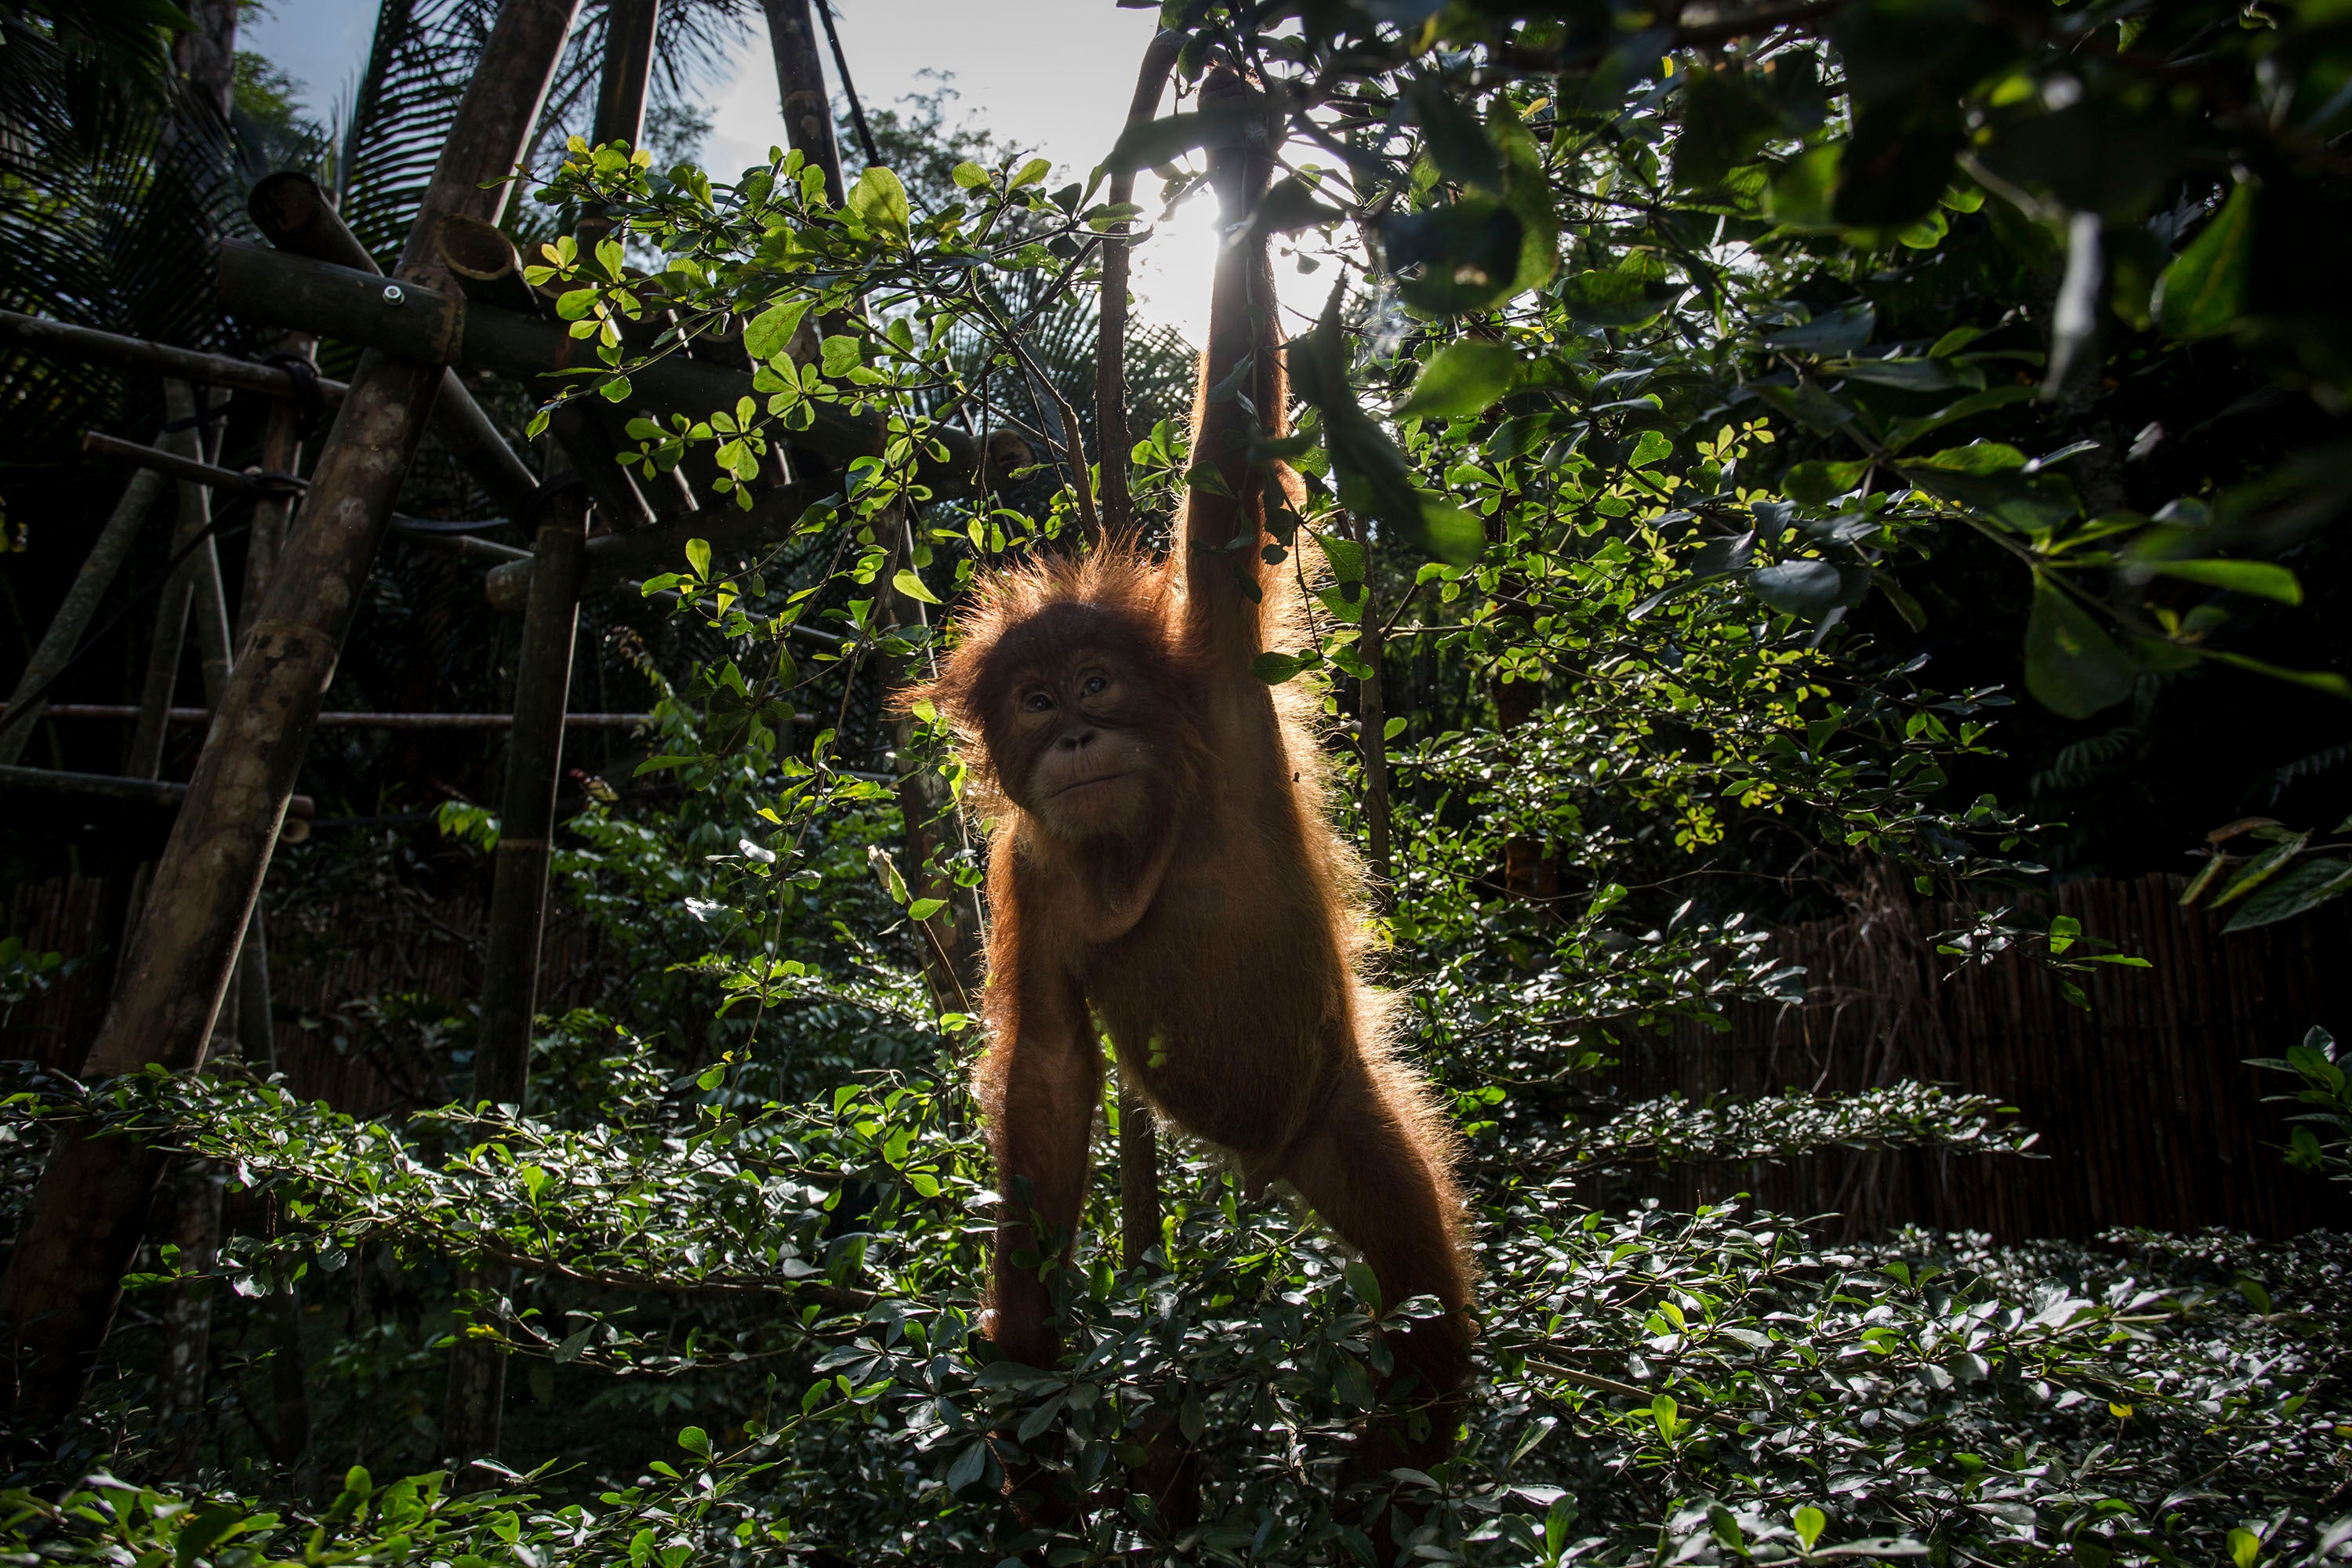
1162,860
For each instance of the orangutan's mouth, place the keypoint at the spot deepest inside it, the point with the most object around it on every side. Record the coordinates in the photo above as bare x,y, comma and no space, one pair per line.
1088,784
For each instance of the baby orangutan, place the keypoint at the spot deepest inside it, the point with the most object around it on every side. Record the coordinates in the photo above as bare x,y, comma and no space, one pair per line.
1161,860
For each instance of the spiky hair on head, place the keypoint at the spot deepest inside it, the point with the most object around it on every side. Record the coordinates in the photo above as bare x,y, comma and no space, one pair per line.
1116,598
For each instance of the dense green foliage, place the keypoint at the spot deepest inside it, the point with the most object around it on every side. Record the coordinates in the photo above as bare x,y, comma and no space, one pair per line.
1681,383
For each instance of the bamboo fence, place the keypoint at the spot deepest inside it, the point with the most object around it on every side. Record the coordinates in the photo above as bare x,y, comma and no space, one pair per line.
2147,1113
334,968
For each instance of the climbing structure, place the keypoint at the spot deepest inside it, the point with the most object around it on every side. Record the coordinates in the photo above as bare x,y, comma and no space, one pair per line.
454,302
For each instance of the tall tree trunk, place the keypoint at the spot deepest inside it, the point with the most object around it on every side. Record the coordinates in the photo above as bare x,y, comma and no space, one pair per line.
63,1276
800,83
627,66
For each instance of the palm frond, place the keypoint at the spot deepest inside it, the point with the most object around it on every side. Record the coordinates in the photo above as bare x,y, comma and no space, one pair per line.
422,53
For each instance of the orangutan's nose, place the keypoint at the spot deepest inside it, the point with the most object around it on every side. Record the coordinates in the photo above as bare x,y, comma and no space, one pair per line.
1078,740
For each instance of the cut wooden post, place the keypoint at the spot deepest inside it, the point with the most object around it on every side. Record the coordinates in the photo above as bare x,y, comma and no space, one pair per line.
63,1276
74,611
471,1418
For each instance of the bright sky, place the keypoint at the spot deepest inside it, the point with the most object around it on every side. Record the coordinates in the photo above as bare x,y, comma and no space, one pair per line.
1048,75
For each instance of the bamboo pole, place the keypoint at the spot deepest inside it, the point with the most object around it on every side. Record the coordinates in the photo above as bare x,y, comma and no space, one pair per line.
62,341
64,1275
470,1416
194,591
343,721
527,813
281,453
186,468
550,623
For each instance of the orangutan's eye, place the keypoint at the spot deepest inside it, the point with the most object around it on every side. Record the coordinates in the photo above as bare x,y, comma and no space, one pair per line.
1038,702
1095,684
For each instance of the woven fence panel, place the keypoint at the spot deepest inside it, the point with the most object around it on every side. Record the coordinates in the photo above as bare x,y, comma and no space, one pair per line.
2145,1111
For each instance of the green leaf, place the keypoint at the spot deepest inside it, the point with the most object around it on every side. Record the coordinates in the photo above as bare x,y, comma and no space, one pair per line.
1616,298
1809,588
1667,1414
1808,1522
1152,142
881,199
969,1466
1274,669
1290,207
1464,378
770,331
2072,665
1364,1283
1818,484
1990,478
908,584
1838,332
2295,892
1725,120
2204,288
1450,534
1465,255
205,1531
616,390
1652,449
2245,1546
970,175
2259,578
1899,159
924,909
695,1441
1030,173
841,354
1799,197
2325,680
697,555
